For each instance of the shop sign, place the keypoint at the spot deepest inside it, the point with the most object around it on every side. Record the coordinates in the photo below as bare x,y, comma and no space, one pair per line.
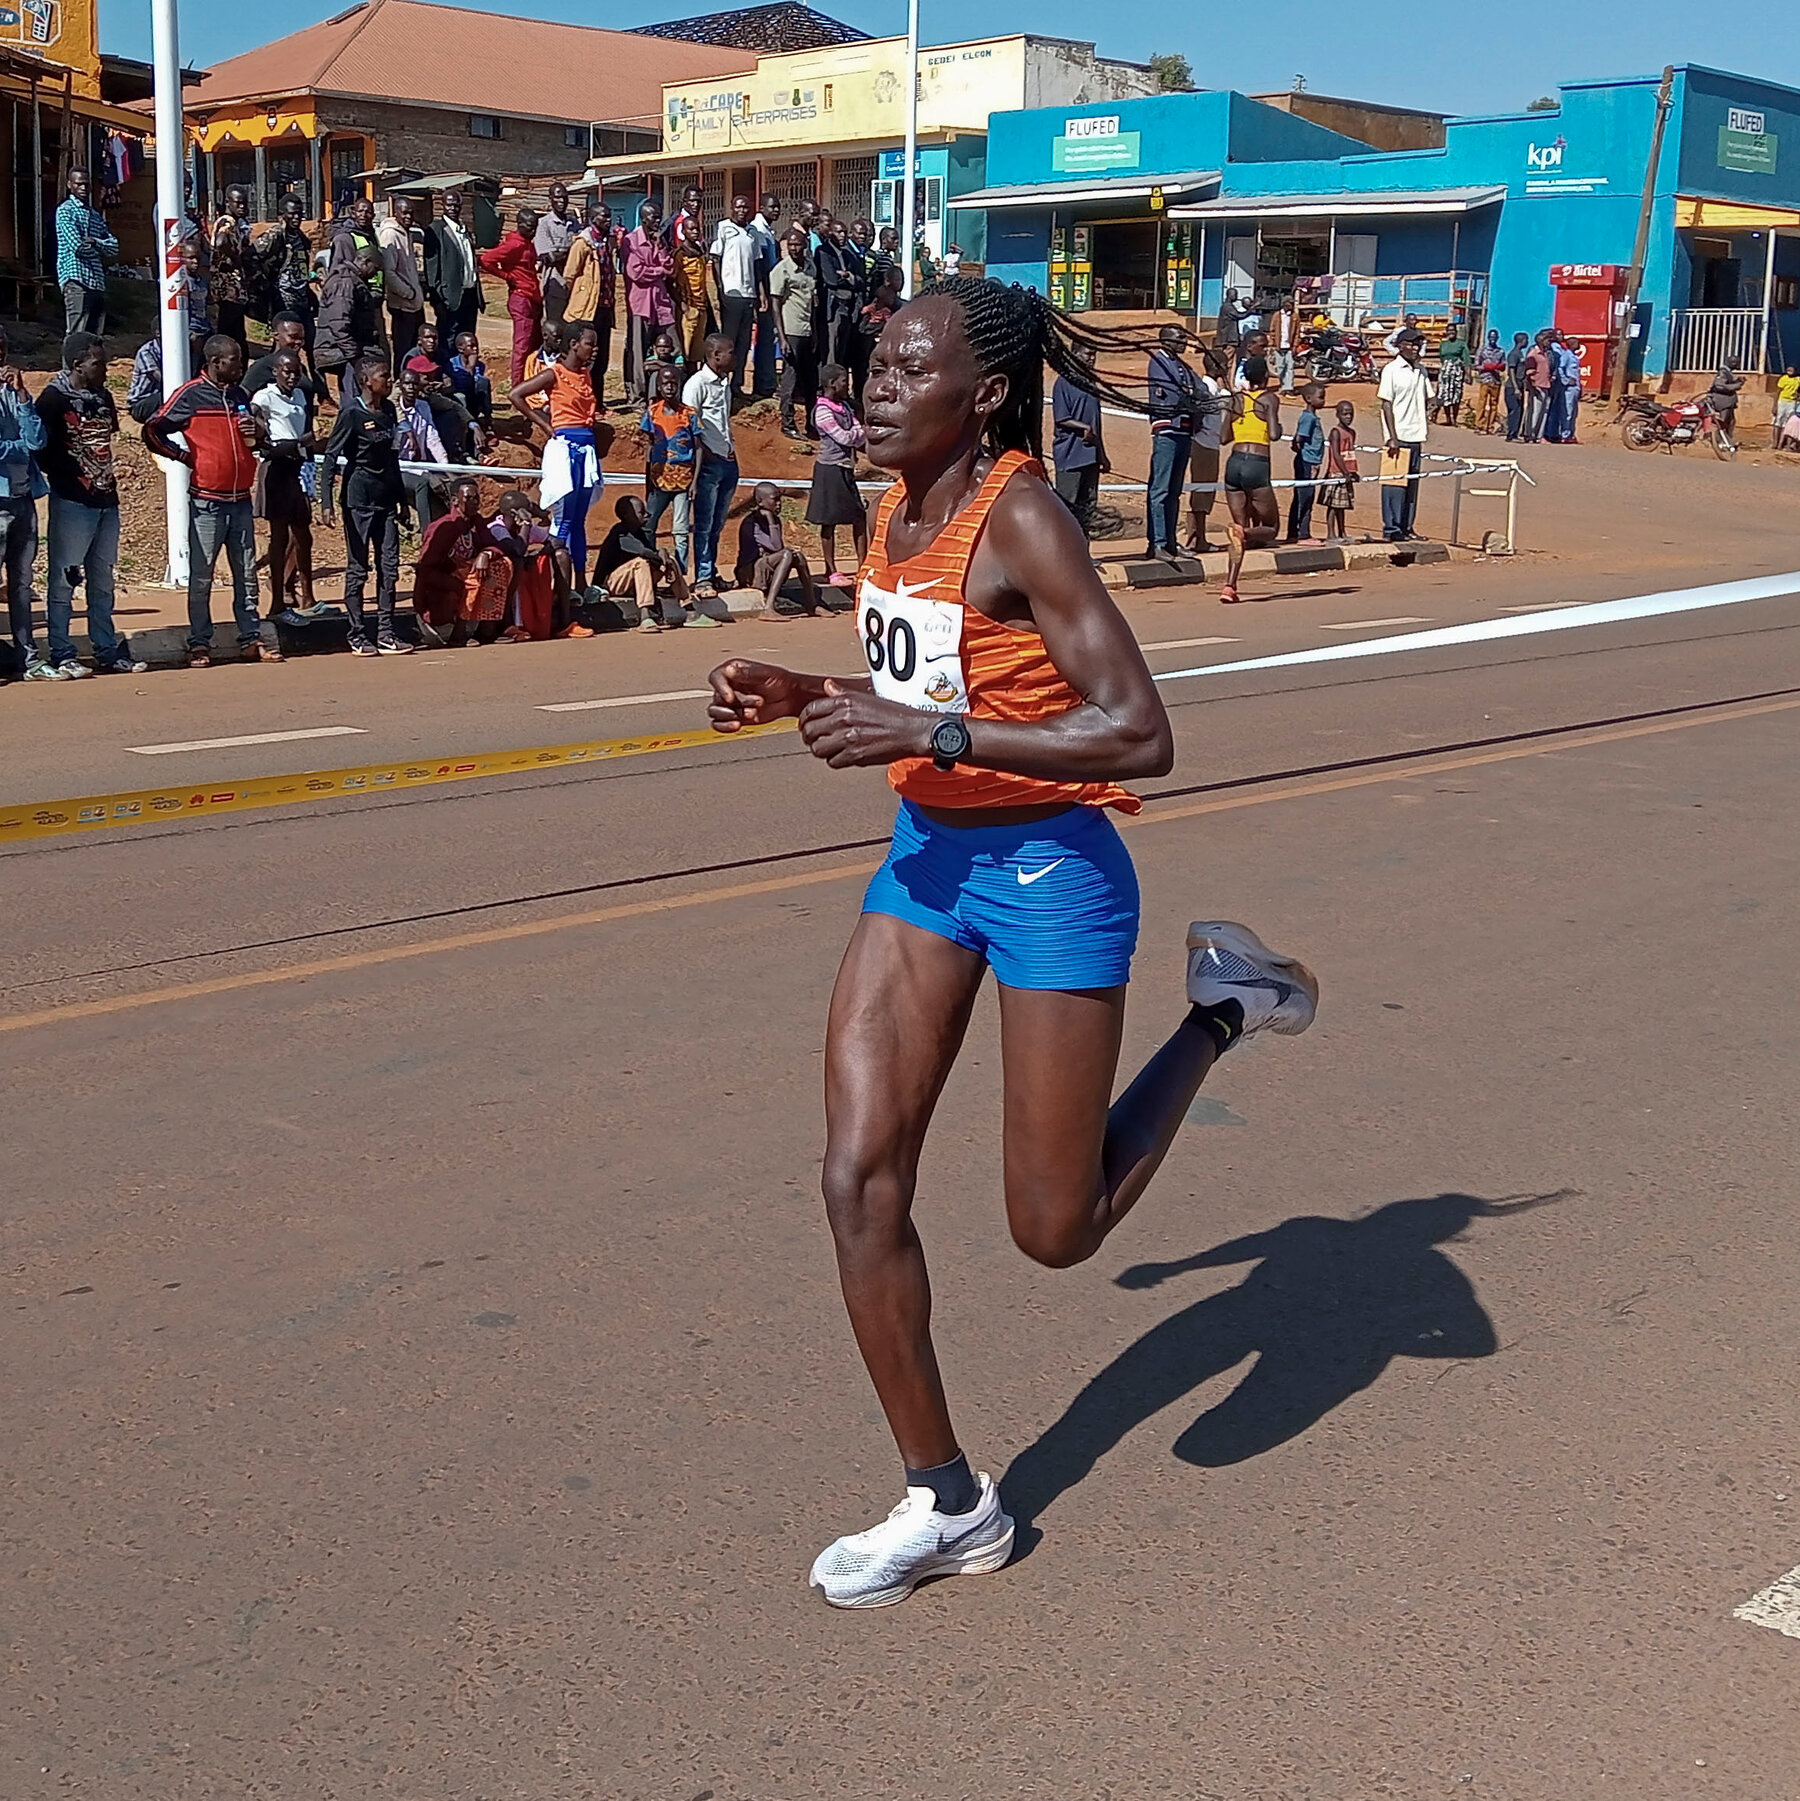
893,165
1746,143
1544,171
1090,144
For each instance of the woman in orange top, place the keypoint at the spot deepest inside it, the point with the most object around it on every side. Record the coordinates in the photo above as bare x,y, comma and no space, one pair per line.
571,469
1008,700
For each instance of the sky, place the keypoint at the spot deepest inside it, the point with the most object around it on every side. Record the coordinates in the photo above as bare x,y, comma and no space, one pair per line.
1496,58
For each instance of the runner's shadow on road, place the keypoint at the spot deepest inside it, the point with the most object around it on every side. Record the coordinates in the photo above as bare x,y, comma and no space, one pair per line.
1329,1305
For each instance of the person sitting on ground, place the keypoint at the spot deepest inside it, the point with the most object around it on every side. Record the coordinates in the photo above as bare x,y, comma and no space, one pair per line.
430,343
767,562
349,326
285,409
834,500
145,393
463,577
1249,489
665,353
462,438
1341,471
418,441
629,566
541,575
469,381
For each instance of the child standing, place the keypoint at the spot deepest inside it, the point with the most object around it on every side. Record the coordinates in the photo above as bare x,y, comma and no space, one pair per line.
284,406
1308,441
672,440
664,354
765,559
1340,471
834,500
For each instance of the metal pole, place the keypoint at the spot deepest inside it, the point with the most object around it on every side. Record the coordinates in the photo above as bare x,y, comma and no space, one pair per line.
170,142
1512,509
1456,491
909,197
37,180
1768,301
1641,249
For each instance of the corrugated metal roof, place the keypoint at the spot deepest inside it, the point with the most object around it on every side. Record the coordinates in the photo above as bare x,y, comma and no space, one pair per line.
1361,202
412,51
783,25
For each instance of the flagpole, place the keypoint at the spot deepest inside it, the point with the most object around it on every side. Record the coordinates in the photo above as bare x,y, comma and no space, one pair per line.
172,309
909,186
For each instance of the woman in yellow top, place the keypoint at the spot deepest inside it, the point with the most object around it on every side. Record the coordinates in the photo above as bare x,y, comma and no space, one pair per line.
1787,399
1255,430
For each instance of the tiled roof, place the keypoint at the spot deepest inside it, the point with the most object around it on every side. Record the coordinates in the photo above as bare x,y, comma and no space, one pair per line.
785,25
451,56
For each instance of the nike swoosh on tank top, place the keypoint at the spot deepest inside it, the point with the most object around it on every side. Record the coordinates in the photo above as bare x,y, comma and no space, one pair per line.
927,647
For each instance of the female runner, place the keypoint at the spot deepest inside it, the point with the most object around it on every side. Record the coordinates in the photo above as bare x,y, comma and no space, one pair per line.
1009,698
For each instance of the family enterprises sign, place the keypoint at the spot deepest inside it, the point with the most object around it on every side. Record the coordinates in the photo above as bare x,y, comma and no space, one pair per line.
1746,143
1093,143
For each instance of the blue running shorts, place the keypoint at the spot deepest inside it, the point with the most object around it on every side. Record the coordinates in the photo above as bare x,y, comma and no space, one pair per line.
1053,904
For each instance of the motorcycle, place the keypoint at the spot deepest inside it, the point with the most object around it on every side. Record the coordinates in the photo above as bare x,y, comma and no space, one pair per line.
1336,356
1647,424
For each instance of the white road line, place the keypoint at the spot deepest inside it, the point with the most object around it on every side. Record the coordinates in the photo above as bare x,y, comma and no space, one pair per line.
317,731
1777,1606
1599,612
1369,625
1544,606
1186,643
625,700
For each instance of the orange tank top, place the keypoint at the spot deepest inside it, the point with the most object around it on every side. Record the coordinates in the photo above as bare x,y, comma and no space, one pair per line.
927,647
571,399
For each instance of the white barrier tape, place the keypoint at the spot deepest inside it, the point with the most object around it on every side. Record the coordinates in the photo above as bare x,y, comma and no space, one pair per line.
1478,631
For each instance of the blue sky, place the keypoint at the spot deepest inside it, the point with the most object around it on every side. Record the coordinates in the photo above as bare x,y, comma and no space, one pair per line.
1492,59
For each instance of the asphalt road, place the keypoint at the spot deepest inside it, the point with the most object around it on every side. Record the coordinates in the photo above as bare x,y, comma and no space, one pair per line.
427,1377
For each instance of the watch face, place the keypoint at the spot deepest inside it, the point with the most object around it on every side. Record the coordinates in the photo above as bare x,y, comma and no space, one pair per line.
950,738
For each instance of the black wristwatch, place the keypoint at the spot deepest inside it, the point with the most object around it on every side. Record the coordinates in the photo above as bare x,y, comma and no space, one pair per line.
949,741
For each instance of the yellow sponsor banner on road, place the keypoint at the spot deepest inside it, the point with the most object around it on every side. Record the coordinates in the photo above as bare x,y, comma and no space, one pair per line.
20,822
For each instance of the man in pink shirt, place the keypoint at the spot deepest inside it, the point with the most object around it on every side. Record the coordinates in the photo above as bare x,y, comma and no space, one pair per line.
515,260
649,262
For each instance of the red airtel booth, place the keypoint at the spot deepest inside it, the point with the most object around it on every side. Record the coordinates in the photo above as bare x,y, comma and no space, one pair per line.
1590,306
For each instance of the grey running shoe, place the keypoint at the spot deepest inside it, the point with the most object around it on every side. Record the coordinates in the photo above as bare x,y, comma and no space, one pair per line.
1228,962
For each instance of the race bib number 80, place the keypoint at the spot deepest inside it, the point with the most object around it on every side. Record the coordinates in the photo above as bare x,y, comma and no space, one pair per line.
913,646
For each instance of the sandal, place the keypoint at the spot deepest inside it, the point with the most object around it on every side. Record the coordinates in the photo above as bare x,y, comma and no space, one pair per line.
1229,595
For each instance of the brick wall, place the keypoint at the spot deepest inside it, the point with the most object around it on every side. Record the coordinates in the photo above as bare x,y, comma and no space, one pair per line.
436,142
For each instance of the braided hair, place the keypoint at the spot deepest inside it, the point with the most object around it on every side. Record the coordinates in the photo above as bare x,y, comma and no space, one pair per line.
1014,331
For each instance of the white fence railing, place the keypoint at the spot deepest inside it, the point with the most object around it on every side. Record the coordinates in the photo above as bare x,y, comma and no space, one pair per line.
1705,336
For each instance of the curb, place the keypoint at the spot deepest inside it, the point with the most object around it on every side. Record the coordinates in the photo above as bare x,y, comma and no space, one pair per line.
1300,559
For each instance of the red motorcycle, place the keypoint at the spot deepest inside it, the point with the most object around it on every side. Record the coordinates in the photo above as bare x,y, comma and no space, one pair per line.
1333,355
1647,424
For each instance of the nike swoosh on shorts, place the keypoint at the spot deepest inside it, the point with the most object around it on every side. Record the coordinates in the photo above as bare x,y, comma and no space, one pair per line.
1038,875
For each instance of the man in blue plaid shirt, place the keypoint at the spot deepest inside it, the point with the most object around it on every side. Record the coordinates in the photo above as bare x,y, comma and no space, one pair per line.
84,247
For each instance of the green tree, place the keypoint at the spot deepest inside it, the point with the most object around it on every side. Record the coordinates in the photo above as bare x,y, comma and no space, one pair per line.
1174,73
1545,103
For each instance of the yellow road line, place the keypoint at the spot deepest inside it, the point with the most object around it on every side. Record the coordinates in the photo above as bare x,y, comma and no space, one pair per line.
294,972
22,822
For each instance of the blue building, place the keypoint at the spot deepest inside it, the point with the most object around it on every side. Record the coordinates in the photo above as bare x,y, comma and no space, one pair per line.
1474,227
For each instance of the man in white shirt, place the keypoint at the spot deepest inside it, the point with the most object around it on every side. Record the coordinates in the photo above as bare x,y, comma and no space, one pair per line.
764,227
1203,463
734,253
404,285
1406,397
708,392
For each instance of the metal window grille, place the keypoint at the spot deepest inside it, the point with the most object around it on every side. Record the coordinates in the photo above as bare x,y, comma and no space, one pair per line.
851,179
1705,336
792,184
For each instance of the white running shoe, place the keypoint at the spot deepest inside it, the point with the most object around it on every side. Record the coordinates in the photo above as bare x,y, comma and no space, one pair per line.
1227,961
915,1542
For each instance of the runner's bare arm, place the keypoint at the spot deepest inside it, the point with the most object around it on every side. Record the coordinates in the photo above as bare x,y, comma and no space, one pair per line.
747,693
1032,560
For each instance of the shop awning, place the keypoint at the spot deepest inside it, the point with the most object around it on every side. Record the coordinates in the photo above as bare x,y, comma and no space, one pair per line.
746,156
1424,203
1047,194
1733,215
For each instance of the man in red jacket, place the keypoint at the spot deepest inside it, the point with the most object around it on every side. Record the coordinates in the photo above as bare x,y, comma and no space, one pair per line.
515,260
218,435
